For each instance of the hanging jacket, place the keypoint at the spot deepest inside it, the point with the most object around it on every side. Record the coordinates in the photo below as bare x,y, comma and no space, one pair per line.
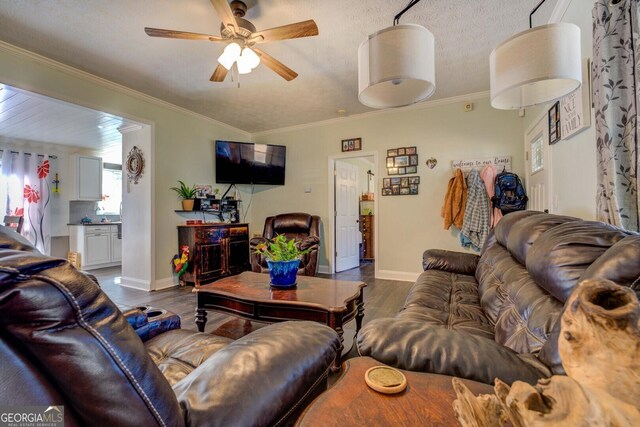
454,201
477,216
488,176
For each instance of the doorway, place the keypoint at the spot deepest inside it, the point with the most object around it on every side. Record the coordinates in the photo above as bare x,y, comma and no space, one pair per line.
538,166
352,204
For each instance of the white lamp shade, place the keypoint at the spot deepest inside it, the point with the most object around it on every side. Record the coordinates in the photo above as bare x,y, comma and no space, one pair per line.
536,66
230,54
396,67
244,66
252,59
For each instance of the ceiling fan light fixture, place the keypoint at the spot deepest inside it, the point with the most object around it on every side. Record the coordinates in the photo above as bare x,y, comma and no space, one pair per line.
244,66
230,55
251,57
396,67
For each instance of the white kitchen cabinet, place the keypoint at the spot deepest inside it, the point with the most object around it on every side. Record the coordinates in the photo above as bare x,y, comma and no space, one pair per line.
86,173
116,248
98,245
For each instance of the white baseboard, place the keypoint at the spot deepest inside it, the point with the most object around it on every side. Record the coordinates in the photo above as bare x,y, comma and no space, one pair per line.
324,269
166,283
130,282
403,276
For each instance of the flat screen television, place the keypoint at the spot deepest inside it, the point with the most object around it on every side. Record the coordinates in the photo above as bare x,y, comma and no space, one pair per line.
247,163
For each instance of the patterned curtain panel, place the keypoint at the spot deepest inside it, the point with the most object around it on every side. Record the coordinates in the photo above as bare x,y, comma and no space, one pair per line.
616,62
25,191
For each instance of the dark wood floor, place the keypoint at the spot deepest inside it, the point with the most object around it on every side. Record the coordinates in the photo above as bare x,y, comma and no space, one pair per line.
382,298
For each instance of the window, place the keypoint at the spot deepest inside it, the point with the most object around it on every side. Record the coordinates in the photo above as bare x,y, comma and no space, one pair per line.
537,161
111,190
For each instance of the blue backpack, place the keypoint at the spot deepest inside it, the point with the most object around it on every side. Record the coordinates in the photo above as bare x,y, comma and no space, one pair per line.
510,195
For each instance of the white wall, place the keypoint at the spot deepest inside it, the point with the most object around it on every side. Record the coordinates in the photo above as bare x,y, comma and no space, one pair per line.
407,224
574,159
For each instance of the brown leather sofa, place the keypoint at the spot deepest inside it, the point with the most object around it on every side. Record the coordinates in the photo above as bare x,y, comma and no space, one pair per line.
63,342
497,315
303,227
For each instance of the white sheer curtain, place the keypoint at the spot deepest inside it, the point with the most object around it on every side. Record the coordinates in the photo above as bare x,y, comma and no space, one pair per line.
25,190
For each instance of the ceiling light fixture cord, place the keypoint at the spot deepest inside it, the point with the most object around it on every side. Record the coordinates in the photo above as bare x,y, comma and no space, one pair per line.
396,19
534,11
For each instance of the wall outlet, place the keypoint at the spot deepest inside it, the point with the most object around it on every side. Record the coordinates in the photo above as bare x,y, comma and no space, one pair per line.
468,106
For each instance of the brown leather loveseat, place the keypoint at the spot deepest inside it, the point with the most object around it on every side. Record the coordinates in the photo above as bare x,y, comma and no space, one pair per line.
303,227
64,342
497,315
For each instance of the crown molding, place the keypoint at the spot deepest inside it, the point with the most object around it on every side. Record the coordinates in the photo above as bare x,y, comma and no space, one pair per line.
557,14
67,69
375,113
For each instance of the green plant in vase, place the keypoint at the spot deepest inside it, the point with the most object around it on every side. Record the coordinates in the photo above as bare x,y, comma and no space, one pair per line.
187,194
283,258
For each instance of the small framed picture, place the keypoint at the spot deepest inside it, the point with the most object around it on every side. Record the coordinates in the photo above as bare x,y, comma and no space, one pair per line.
392,171
404,190
411,169
401,161
402,171
401,151
345,145
203,190
395,189
390,162
410,150
392,153
357,144
404,182
386,182
387,191
413,160
413,188
395,181
351,145
414,180
554,123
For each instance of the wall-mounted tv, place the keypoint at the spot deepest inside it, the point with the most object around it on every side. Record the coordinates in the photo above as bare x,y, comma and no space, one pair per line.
247,163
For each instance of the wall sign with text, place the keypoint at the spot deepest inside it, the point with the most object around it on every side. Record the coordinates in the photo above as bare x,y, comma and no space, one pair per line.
575,108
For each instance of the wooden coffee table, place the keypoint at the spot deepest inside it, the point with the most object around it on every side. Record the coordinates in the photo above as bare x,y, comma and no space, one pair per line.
248,295
427,400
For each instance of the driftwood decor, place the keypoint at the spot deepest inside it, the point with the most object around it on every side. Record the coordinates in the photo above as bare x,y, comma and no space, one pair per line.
600,349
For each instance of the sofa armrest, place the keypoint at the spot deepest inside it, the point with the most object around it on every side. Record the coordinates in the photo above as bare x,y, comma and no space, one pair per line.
414,346
261,378
453,262
309,242
255,241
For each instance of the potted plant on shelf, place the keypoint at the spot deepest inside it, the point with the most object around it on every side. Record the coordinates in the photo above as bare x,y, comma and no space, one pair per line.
283,258
187,194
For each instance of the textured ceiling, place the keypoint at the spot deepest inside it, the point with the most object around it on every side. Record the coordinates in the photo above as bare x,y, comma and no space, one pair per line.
106,38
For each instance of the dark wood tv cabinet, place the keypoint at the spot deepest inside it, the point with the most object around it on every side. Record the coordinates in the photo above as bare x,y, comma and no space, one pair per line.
216,250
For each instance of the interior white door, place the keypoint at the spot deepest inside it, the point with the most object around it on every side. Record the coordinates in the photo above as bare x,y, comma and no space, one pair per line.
538,167
347,230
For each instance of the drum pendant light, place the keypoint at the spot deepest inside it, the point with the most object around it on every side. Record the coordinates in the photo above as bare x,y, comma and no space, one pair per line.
396,65
536,66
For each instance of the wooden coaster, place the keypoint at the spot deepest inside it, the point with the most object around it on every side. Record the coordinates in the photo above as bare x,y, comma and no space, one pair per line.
385,380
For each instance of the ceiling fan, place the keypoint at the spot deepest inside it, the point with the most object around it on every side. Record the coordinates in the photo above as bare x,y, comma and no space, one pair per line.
241,37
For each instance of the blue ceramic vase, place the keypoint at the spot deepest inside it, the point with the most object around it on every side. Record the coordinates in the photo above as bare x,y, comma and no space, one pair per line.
283,273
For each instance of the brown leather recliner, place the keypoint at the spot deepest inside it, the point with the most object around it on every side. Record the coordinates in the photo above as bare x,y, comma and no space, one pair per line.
64,342
303,227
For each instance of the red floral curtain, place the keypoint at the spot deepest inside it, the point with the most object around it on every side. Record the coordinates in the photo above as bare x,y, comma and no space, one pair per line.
25,190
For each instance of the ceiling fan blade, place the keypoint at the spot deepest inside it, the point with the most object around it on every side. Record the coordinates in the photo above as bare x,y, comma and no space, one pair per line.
282,70
173,34
219,74
291,31
224,12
